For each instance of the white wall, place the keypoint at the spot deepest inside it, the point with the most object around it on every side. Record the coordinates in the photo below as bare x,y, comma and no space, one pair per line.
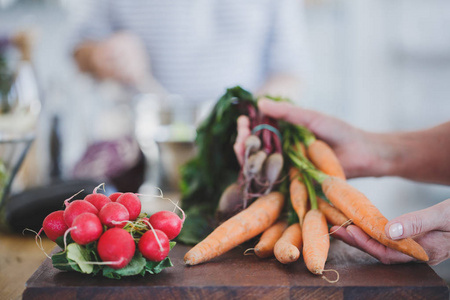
382,66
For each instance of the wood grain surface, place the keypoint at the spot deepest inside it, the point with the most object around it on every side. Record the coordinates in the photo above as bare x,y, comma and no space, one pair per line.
237,276
19,259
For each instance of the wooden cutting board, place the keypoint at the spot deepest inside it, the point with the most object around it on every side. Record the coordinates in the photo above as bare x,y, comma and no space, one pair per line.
237,276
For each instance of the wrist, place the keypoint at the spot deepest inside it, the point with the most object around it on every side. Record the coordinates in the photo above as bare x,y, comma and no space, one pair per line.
384,155
397,154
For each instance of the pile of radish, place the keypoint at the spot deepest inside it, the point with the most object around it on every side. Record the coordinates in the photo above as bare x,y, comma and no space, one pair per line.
109,235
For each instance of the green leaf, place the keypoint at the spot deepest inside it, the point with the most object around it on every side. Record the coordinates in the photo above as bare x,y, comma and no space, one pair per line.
153,267
60,241
81,256
205,177
172,244
196,226
60,261
135,267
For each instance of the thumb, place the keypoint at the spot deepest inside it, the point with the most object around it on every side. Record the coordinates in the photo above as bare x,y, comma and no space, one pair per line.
414,223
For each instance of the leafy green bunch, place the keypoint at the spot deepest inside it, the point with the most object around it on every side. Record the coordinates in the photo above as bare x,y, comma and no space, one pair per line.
205,177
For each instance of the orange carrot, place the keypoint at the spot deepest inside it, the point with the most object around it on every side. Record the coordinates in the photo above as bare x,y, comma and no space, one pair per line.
293,173
298,194
266,243
366,216
333,215
248,223
324,158
287,248
316,241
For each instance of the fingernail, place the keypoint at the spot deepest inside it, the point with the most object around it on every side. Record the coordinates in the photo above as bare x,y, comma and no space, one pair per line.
396,230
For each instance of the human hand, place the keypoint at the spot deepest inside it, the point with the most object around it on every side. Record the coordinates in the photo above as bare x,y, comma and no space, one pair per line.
121,57
429,227
356,149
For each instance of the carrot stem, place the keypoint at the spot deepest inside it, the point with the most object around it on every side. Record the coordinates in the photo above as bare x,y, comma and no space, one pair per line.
307,136
311,191
298,162
317,175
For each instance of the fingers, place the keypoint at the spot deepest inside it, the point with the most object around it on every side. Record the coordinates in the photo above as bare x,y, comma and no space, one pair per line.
243,132
419,222
342,234
121,57
287,112
357,238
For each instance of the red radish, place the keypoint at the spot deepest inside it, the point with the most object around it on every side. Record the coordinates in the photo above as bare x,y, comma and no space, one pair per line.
112,213
114,196
168,222
132,203
77,207
86,228
54,225
98,200
154,245
117,246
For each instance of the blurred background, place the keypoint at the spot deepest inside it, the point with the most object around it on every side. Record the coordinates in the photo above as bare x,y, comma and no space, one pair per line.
378,64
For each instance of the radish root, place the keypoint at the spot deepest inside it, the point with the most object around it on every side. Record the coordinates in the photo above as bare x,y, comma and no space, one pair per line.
66,202
94,263
38,237
161,196
97,187
65,236
156,236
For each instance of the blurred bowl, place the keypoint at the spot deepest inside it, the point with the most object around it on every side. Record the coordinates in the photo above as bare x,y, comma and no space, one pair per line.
13,149
173,154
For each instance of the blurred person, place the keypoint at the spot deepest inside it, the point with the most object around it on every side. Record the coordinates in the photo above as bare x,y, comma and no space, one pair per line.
418,155
188,53
196,49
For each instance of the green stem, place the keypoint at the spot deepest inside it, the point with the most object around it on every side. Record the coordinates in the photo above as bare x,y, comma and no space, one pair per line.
300,161
317,175
311,191
297,162
307,167
307,136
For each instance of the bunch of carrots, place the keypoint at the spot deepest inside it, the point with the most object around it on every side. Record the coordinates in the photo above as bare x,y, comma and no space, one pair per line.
319,195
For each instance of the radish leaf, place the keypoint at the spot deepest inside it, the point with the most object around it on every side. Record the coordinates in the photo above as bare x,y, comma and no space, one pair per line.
80,255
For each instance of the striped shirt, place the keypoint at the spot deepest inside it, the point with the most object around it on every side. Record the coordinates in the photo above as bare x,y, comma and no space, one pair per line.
199,48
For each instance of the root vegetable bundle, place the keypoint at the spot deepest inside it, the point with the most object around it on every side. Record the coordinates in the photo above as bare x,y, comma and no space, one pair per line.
214,186
306,171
